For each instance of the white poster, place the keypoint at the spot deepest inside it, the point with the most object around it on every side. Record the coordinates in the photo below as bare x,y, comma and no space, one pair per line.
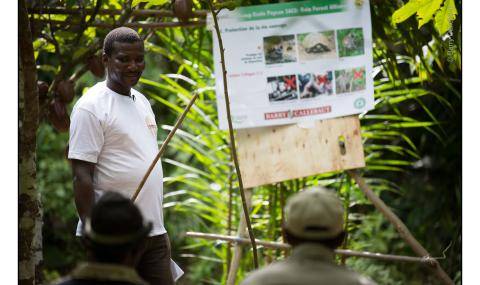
294,62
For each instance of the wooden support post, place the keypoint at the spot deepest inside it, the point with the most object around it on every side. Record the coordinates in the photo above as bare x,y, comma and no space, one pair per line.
399,226
237,250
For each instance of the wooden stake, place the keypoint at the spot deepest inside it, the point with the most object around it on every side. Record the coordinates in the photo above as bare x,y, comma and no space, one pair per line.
399,226
164,146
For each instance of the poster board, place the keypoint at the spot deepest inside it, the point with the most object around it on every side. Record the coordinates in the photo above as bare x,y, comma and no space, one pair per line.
278,153
294,62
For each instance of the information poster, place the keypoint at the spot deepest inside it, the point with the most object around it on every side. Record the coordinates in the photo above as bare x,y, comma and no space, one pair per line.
293,62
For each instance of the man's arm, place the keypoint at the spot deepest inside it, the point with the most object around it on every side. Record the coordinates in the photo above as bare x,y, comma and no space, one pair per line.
83,187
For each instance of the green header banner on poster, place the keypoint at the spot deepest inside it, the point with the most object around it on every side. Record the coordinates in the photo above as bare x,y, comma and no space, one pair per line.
291,9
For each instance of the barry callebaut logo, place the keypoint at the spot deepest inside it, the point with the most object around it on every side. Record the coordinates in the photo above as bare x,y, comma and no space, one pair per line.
359,103
289,114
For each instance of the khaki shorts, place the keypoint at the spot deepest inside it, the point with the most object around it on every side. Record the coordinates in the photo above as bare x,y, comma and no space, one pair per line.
152,260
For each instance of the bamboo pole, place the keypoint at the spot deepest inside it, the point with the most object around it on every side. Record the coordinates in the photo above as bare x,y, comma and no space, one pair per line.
343,252
400,227
282,208
232,136
237,250
230,213
164,145
346,206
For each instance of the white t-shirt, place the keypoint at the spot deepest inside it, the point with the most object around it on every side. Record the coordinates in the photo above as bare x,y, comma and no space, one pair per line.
119,134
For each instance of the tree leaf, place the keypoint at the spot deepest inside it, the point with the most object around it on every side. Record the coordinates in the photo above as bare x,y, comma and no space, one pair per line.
230,5
156,3
445,17
136,2
79,52
407,10
427,10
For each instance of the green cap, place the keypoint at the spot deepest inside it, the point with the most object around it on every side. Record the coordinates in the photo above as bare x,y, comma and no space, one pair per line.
315,213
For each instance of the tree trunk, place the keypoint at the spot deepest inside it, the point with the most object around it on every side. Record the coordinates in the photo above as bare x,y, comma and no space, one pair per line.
30,210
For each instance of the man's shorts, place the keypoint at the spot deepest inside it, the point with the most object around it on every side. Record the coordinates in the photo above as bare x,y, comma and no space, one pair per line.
152,260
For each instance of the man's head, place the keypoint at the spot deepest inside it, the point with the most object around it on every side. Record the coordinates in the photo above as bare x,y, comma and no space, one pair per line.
114,228
123,56
314,215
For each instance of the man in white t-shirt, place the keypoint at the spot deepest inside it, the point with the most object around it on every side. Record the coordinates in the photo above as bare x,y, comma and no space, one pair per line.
113,140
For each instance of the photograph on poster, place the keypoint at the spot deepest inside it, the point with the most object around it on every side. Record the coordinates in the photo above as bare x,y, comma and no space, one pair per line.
282,88
349,80
313,85
279,49
350,42
317,45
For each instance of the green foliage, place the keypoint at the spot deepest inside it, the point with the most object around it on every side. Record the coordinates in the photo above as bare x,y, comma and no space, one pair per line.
150,2
425,11
374,234
230,5
412,143
445,17
61,251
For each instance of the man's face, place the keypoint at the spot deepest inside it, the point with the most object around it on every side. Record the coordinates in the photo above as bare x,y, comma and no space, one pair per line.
125,65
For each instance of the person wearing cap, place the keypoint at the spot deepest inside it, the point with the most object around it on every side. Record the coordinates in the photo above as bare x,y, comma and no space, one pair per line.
111,234
314,228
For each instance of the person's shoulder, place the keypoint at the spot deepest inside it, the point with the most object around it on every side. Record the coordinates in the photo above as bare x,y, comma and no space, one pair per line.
270,274
93,97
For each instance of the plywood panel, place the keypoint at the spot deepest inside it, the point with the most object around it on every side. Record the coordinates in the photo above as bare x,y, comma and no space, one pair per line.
273,154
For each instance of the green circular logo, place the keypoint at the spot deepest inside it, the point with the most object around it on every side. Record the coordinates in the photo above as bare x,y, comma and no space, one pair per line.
359,103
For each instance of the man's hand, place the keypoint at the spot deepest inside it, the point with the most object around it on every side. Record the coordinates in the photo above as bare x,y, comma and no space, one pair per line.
83,187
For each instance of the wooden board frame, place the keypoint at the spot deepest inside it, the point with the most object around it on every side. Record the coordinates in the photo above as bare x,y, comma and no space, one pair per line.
273,154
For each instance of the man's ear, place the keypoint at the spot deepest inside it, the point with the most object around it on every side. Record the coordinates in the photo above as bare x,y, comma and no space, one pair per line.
104,59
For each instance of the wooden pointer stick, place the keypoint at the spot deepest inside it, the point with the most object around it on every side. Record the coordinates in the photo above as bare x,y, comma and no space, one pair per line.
164,145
